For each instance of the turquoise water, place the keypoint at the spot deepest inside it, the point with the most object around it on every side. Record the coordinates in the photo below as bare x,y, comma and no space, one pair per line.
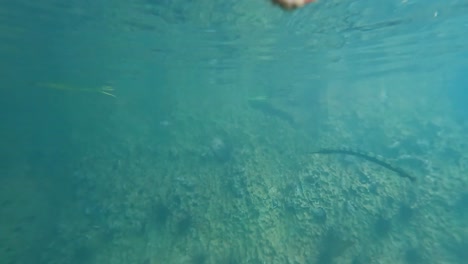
157,131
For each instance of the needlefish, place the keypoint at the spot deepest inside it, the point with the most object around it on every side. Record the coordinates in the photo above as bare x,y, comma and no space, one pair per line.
369,157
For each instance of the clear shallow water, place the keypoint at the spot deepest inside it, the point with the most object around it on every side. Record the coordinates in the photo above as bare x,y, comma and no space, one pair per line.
180,132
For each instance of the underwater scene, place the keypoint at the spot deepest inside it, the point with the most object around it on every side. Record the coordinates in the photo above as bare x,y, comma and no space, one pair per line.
234,131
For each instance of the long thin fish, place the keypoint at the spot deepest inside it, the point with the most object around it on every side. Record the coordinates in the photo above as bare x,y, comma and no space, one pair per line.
367,156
